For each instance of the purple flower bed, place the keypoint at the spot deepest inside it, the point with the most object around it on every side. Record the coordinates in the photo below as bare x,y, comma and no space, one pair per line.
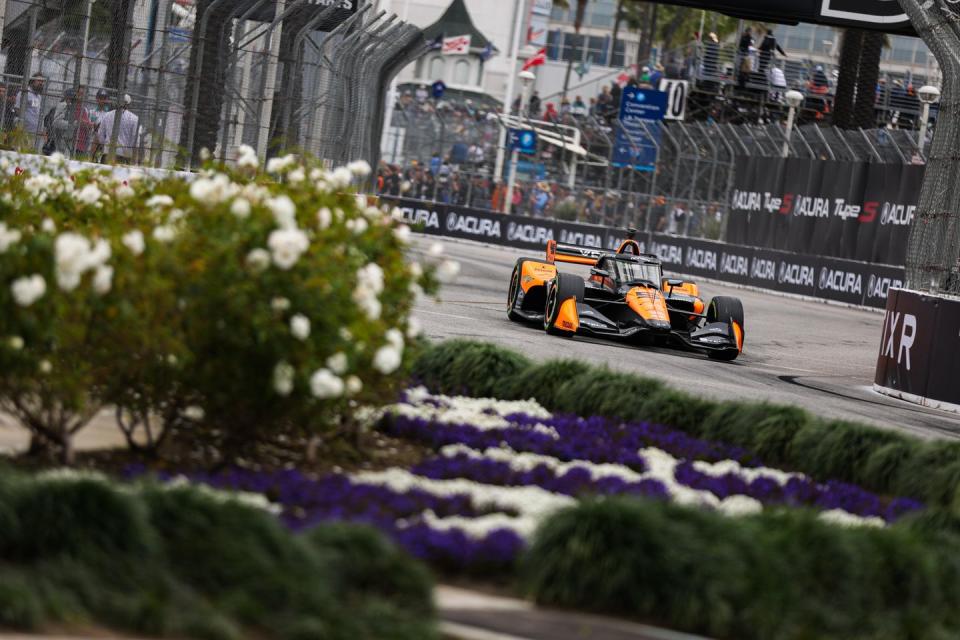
575,482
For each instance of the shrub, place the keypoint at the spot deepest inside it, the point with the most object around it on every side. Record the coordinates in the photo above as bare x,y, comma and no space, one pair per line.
234,305
784,575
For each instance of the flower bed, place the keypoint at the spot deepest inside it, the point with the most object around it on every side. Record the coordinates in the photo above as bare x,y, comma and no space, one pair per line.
502,468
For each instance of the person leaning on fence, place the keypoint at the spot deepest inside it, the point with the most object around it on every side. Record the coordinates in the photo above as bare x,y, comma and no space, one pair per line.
127,134
8,109
29,104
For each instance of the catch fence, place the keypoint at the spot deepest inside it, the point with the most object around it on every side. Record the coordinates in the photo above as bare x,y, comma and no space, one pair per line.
187,75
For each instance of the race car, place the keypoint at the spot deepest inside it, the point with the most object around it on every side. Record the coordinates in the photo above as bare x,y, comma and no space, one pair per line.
626,296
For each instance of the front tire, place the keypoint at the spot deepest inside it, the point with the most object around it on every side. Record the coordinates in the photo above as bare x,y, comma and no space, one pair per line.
729,311
561,289
514,291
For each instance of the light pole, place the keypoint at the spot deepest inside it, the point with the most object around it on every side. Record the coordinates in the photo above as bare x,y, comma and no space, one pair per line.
515,54
794,99
526,79
928,95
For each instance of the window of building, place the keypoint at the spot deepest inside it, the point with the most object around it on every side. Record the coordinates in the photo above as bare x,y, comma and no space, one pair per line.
438,68
602,13
619,54
554,44
572,47
597,49
461,72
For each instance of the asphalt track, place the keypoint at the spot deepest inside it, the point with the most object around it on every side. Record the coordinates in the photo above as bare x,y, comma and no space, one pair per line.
818,356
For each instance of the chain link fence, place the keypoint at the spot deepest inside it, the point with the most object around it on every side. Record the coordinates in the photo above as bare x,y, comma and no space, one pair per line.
445,152
154,82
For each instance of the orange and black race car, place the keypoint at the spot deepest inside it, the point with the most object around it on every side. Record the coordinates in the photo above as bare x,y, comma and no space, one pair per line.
626,296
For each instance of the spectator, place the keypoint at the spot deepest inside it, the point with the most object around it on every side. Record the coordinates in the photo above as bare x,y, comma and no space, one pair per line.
535,105
127,142
71,127
744,50
656,76
29,105
768,48
551,115
711,56
579,109
8,110
819,82
101,108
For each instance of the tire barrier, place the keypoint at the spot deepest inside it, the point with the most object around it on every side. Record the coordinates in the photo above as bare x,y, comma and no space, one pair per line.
918,351
847,281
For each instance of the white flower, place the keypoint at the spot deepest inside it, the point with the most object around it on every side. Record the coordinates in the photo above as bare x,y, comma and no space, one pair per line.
414,328
359,168
300,326
194,413
57,158
338,363
125,192
341,178
72,253
213,191
15,342
416,270
286,246
172,360
405,186
345,334
205,154
175,216
45,366
103,279
247,157
283,375
280,304
297,176
354,385
134,242
448,271
159,201
367,301
324,385
436,250
371,277
397,214
90,194
284,211
395,338
258,260
358,225
240,208
28,289
279,165
402,234
8,237
164,233
324,218
387,359
48,226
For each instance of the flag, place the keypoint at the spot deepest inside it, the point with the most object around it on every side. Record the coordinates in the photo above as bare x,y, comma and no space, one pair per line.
456,46
487,52
436,44
537,60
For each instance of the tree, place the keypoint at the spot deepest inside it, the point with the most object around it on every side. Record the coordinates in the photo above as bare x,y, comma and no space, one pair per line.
864,111
580,12
843,102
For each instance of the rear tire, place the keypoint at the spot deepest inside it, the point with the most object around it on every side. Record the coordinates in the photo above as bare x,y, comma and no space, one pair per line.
561,289
727,310
514,290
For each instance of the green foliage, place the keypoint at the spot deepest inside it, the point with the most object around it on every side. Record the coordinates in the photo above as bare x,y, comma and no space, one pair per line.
190,562
782,575
783,436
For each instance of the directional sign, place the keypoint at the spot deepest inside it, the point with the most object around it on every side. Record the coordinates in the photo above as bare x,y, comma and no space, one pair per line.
341,10
523,140
638,136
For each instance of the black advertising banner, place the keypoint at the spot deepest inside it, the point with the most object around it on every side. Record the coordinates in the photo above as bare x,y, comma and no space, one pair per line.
835,208
944,364
846,281
907,345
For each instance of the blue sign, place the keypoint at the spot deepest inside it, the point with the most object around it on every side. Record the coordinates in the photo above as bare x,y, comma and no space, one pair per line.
638,136
532,170
523,140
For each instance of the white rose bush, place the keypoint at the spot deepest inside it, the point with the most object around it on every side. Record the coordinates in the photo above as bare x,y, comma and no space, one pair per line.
233,305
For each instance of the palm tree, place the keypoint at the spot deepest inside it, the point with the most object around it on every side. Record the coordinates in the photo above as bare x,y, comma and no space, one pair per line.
578,16
865,109
843,102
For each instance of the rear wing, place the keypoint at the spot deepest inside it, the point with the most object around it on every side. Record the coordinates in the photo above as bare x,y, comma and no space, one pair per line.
560,252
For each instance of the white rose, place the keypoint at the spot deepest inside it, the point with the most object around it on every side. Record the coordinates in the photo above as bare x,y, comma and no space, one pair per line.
324,218
48,226
397,214
371,277
159,201
164,233
103,279
354,385
324,385
28,289
300,326
358,226
283,375
345,334
90,194
436,250
15,342
297,176
247,157
402,234
338,363
45,366
395,338
341,178
240,208
134,242
366,299
414,328
359,168
258,260
8,237
448,271
284,211
194,413
416,270
387,360
280,304
286,247
125,192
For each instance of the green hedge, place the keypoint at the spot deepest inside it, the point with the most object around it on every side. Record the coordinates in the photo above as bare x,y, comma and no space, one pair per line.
782,436
180,562
783,575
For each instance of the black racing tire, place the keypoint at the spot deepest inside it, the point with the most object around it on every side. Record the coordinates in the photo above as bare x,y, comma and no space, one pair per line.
562,288
728,310
515,289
